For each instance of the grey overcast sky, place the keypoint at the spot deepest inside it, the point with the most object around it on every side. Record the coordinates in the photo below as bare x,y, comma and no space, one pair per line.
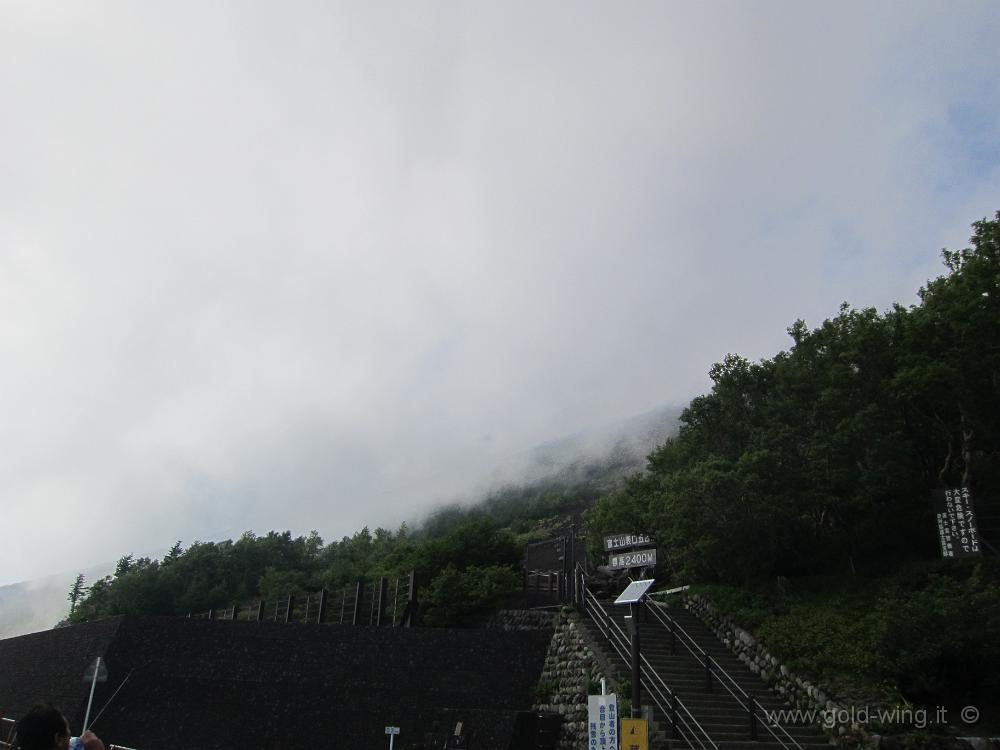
301,265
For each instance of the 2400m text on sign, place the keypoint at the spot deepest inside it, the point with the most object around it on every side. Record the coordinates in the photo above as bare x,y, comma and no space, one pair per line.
641,559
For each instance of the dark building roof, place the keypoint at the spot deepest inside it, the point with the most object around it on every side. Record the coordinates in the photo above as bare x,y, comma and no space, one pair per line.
213,684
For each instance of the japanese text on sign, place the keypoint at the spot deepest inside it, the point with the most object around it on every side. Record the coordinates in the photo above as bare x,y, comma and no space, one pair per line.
635,734
625,541
640,559
956,523
602,716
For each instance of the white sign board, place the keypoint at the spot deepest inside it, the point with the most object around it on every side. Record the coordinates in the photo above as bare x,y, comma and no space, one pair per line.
625,541
392,730
602,717
643,558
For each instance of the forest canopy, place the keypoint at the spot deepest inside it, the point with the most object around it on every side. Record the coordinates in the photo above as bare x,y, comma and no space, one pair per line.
822,459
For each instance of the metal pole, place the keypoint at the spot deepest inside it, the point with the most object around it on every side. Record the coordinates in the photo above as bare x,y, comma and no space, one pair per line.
359,592
753,722
634,620
90,700
673,715
383,587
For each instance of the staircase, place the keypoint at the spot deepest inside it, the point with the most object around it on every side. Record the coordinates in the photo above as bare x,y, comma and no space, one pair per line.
713,707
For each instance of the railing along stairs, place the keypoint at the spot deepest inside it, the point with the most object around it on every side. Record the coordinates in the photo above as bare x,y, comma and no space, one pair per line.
757,713
682,723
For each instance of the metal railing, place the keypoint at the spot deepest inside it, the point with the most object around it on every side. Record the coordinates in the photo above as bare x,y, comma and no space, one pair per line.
359,603
683,724
712,667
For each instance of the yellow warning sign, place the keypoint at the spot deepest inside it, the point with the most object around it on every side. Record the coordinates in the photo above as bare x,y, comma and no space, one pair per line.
635,734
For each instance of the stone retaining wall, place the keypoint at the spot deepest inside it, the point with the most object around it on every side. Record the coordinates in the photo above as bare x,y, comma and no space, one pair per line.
570,670
805,695
518,620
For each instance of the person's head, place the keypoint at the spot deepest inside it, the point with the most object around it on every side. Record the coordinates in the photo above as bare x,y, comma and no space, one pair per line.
43,728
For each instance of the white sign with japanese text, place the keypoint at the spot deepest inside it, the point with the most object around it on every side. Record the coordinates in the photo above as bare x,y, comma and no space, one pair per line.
602,717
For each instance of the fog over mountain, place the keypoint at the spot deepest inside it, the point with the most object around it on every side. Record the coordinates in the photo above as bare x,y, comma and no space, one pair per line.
596,458
327,265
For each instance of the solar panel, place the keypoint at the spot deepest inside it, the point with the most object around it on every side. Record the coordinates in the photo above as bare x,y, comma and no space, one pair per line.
634,592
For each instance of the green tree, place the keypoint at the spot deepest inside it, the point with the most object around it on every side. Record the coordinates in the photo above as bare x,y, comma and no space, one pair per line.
77,592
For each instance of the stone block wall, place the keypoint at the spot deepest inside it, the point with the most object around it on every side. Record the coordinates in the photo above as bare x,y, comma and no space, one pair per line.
571,670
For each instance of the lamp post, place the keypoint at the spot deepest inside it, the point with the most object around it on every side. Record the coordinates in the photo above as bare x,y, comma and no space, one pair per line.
633,595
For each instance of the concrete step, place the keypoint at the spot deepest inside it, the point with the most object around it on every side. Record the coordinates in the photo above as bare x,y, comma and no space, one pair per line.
720,714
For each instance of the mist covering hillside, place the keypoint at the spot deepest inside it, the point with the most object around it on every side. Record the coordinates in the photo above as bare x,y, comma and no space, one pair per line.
557,479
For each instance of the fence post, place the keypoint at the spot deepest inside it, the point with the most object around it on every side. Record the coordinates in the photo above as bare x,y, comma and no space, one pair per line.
383,588
673,637
321,615
708,674
753,720
260,610
411,599
211,613
289,607
359,592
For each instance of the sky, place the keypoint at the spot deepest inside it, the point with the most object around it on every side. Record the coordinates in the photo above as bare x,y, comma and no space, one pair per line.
309,265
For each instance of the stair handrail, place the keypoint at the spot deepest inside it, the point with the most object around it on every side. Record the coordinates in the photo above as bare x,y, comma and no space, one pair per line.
7,740
725,679
661,693
672,707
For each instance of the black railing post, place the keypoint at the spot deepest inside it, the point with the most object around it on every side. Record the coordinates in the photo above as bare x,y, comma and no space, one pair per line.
260,610
708,674
753,718
288,607
359,592
343,605
211,613
673,637
636,671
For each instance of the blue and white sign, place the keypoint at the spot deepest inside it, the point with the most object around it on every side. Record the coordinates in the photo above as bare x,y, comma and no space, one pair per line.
602,717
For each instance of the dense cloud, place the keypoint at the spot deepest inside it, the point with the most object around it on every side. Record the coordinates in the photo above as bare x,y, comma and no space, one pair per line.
271,266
